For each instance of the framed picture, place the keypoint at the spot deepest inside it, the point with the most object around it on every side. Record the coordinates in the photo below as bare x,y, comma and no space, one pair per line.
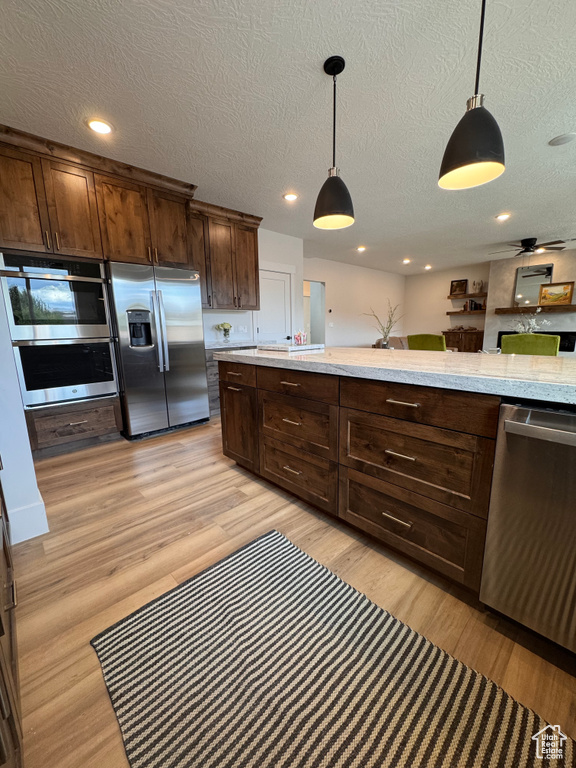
556,294
458,287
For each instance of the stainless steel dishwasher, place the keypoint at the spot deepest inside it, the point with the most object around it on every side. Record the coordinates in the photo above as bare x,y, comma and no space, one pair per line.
529,568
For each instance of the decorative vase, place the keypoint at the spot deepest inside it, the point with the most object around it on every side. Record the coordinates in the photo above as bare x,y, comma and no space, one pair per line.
226,333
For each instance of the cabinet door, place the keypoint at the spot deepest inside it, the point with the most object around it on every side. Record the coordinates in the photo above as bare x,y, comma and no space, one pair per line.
71,198
246,268
23,212
197,232
240,424
221,249
453,340
124,224
472,342
171,244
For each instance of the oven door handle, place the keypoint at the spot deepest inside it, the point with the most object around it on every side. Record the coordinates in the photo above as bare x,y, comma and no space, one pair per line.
164,331
156,316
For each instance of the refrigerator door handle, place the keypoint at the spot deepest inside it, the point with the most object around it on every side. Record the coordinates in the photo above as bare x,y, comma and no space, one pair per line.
156,316
164,331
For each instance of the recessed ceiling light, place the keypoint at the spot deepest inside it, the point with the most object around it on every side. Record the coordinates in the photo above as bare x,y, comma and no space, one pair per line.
99,126
361,248
527,301
502,217
291,196
518,295
405,261
564,138
428,266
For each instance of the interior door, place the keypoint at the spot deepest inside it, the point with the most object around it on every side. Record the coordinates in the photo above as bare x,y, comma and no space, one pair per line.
180,309
23,212
221,238
246,264
124,223
168,225
71,198
274,320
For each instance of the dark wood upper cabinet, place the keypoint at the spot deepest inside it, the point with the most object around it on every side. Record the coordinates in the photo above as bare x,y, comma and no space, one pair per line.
221,236
124,223
23,212
171,241
246,267
72,209
198,234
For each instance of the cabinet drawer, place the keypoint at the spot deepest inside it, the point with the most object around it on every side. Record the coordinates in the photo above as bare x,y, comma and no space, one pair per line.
450,467
450,541
67,426
314,386
462,411
306,424
238,373
305,475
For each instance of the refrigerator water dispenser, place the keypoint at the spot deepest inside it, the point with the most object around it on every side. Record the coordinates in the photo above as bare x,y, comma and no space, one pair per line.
139,328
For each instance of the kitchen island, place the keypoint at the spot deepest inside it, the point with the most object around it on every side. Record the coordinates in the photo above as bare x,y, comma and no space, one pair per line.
398,443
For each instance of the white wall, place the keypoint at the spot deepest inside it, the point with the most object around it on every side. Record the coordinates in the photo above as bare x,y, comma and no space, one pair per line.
426,302
501,294
350,291
23,500
276,252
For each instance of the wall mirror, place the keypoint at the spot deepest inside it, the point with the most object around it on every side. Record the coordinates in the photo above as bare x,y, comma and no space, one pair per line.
528,282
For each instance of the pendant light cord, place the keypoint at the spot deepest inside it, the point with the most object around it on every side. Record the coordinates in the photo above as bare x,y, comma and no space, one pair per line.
480,39
334,127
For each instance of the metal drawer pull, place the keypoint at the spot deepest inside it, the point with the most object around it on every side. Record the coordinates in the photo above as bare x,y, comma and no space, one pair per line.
401,402
397,520
289,469
14,602
234,389
399,455
231,373
296,423
289,383
75,423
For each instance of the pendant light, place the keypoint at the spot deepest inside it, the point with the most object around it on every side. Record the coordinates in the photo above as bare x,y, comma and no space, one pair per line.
474,154
334,209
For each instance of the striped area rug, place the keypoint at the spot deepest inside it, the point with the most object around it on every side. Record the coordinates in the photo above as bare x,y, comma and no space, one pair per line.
269,660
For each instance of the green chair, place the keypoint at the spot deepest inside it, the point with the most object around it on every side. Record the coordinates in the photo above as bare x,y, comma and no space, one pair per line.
530,344
430,341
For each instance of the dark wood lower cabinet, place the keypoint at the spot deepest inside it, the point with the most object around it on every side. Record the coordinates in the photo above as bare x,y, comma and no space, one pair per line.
10,718
410,465
307,476
446,539
240,424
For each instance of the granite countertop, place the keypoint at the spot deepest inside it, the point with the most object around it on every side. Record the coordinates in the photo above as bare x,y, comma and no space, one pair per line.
530,377
229,345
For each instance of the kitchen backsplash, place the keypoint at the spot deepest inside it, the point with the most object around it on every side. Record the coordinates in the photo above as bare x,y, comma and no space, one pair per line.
242,325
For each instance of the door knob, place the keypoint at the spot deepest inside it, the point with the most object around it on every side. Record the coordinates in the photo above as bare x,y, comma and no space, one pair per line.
288,338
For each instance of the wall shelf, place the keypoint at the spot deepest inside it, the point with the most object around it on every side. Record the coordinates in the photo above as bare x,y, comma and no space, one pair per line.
532,309
468,312
469,296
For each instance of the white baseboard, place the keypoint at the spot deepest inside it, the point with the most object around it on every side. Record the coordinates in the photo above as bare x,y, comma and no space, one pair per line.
28,522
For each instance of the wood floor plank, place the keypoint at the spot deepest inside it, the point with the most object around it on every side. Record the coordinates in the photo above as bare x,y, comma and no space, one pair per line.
129,520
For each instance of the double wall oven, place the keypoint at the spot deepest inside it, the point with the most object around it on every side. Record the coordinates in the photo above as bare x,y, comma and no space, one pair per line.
59,324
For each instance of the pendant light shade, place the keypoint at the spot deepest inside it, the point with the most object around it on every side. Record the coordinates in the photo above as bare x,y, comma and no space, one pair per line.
334,209
474,154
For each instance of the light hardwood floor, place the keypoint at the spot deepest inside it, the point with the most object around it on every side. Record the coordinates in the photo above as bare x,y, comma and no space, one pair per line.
129,521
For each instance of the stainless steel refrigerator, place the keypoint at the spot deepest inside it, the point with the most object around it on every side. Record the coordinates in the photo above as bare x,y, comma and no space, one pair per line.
158,312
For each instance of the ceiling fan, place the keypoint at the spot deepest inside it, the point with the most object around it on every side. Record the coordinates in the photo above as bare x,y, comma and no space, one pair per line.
528,246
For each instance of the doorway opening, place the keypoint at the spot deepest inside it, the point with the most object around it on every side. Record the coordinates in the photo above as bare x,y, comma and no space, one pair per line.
314,311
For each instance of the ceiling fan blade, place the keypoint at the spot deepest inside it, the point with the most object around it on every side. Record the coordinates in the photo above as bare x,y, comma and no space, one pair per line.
554,248
551,242
515,245
508,250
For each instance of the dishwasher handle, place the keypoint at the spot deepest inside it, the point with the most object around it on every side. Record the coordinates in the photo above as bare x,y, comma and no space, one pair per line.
540,433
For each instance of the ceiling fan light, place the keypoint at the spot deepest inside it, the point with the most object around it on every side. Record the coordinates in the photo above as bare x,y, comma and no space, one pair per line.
474,154
334,209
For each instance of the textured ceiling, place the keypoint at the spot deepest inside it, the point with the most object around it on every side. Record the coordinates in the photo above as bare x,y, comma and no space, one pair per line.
232,96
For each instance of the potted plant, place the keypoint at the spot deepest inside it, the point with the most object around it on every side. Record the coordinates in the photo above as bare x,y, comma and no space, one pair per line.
530,322
385,328
225,328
